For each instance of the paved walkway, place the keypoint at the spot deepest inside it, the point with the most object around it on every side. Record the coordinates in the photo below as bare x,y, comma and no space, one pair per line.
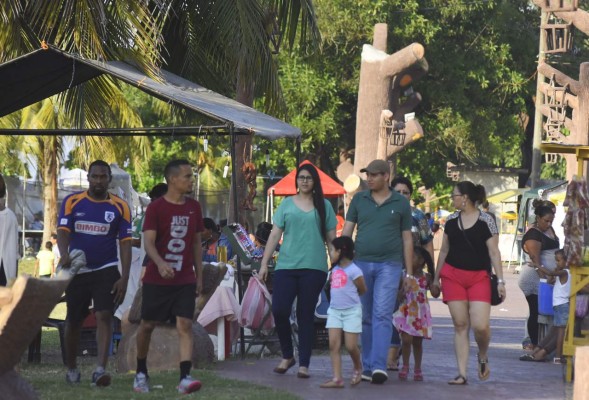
510,378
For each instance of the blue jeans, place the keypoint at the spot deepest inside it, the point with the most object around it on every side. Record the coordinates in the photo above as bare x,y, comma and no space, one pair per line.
561,315
305,285
382,284
396,338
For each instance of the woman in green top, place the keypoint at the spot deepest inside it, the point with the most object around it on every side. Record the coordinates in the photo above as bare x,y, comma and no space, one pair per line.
307,222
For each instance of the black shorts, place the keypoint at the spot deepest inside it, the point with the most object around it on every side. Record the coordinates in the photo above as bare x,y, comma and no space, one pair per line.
92,286
161,302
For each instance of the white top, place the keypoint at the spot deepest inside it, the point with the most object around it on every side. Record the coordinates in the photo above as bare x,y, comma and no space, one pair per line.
344,293
9,243
562,292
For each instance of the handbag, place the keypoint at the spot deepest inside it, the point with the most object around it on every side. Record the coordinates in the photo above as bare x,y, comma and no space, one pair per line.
582,305
495,298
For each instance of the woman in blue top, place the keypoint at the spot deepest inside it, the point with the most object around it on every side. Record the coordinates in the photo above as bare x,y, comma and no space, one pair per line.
306,221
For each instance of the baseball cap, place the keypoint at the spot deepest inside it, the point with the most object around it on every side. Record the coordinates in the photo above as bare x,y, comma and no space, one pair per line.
377,167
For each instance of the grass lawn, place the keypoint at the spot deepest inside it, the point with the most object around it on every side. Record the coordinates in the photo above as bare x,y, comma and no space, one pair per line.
48,377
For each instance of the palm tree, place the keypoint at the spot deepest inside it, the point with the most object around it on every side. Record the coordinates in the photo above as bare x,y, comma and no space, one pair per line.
229,46
224,45
97,29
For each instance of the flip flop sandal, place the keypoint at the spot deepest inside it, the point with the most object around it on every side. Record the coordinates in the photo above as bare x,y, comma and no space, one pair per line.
529,357
333,384
417,375
459,380
484,371
356,377
393,367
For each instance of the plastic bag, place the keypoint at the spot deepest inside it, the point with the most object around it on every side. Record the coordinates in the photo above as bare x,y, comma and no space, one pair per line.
256,306
582,305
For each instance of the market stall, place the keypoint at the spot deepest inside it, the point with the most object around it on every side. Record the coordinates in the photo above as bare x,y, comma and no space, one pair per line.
49,71
575,229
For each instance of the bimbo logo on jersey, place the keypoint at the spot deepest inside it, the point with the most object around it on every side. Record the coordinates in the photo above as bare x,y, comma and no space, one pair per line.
91,228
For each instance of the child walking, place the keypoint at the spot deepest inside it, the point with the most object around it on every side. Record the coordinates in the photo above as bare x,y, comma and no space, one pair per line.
345,310
560,299
413,318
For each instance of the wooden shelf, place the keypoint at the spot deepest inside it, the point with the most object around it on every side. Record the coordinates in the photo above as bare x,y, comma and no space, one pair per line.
579,279
581,151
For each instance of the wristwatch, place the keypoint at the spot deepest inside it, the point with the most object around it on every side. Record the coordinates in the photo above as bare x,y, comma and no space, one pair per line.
408,276
500,281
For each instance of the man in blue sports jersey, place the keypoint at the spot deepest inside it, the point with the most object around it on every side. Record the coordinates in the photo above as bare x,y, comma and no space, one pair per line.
92,221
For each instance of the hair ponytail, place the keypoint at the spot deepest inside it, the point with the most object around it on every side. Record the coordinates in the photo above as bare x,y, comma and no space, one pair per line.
481,194
476,193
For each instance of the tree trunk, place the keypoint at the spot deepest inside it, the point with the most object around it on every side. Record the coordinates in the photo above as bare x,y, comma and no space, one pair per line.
243,148
49,172
379,89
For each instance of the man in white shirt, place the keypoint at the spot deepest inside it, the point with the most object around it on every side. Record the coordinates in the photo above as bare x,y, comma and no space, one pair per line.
56,255
8,239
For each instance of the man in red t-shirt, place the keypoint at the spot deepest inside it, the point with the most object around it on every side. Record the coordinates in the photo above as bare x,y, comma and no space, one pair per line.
172,238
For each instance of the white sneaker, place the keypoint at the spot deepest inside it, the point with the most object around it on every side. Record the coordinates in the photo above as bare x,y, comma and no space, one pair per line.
379,376
141,383
188,385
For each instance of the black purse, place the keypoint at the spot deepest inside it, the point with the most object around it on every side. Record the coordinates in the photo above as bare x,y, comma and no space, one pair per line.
495,298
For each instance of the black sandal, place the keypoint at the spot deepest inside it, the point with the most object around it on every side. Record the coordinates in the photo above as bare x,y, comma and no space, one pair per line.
484,371
459,380
530,357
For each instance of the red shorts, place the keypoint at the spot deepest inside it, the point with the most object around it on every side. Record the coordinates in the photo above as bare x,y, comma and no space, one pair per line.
463,285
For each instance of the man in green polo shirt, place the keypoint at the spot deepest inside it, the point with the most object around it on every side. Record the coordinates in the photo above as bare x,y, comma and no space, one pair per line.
383,241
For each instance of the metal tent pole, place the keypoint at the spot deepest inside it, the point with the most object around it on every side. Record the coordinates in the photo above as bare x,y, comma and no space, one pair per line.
233,139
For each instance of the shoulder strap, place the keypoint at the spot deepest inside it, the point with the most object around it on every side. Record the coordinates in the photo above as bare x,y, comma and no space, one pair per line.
464,234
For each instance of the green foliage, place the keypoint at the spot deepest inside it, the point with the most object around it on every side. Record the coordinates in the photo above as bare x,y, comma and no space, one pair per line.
312,104
481,58
554,171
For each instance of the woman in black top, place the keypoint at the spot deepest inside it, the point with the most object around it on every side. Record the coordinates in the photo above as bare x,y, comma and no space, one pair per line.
469,249
539,243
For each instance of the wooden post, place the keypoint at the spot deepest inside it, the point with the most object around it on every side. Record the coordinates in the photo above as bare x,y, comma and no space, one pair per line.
581,386
375,93
581,121
538,120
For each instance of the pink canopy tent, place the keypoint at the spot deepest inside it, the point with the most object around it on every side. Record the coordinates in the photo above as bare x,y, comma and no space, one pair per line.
286,187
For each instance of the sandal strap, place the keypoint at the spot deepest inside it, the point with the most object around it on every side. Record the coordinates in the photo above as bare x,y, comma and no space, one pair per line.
458,377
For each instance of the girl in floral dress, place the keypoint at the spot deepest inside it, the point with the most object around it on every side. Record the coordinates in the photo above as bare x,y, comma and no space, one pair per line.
413,319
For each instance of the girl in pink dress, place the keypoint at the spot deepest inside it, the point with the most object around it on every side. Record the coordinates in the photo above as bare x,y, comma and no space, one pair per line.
413,319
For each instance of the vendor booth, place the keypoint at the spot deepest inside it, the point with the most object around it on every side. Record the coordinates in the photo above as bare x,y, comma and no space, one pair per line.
576,246
49,71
